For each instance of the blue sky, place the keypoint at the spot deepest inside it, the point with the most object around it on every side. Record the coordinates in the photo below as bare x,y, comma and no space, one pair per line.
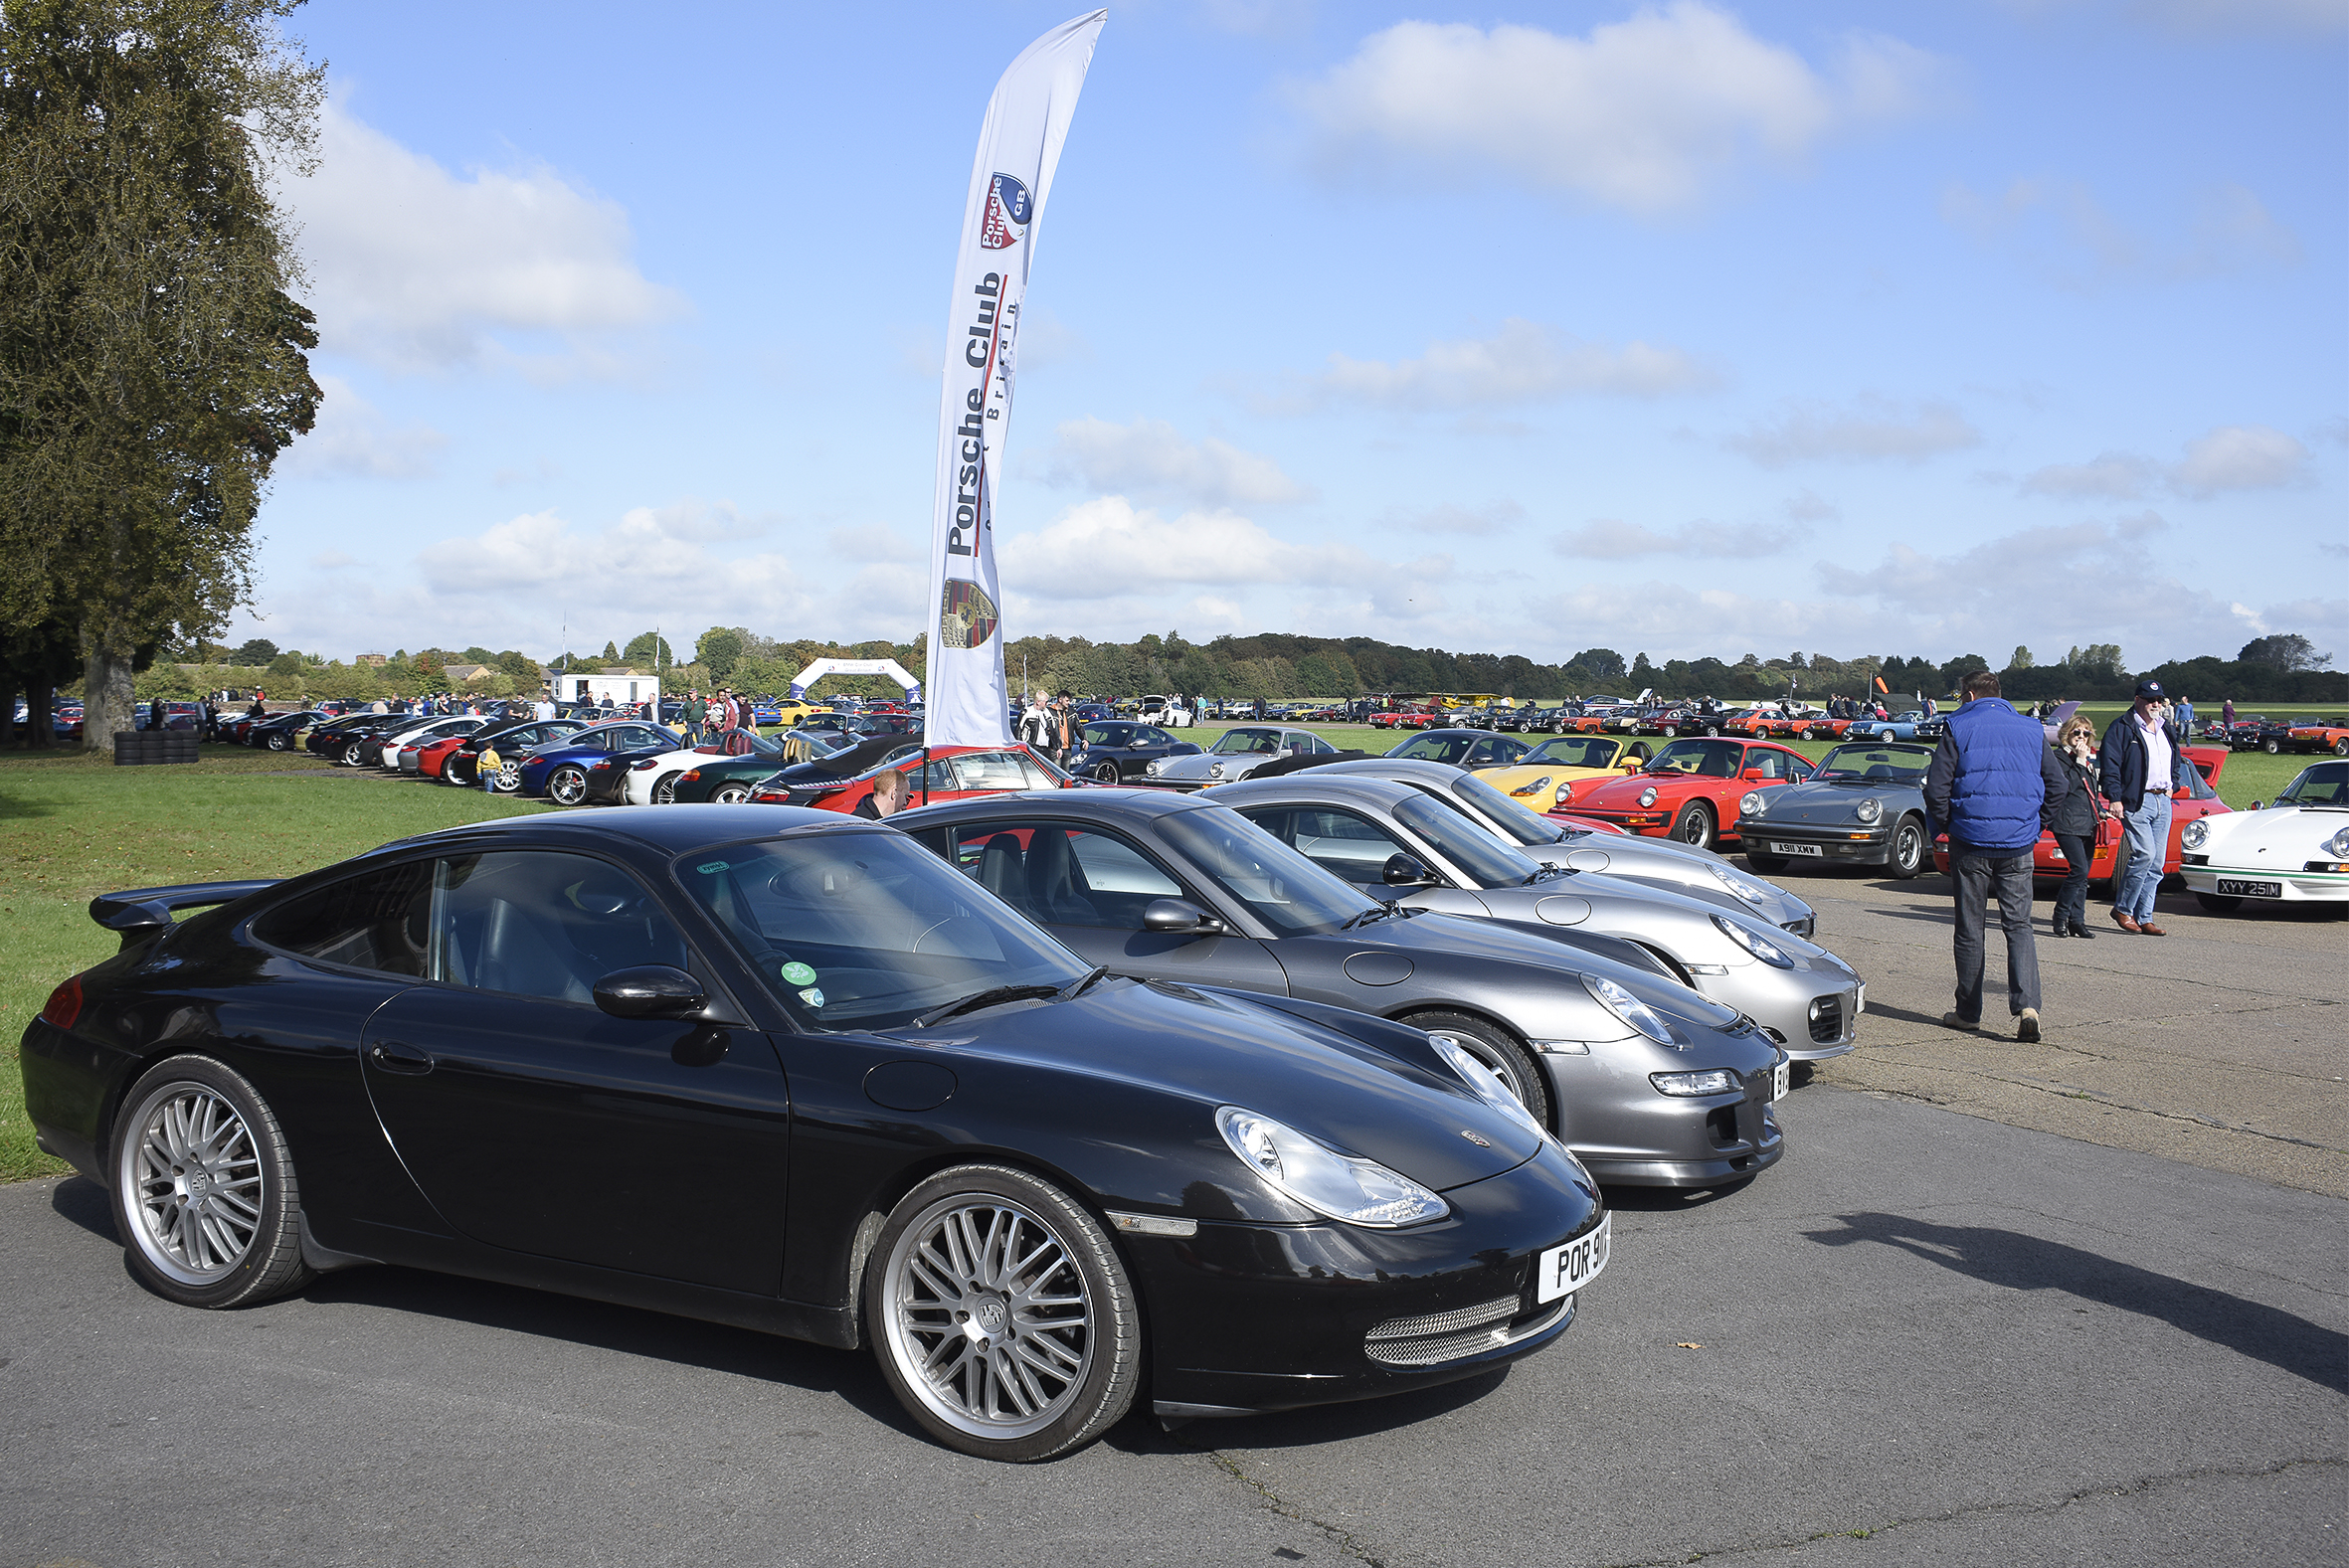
1690,329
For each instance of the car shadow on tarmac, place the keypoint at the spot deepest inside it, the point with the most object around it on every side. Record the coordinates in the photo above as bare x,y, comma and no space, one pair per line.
2031,1263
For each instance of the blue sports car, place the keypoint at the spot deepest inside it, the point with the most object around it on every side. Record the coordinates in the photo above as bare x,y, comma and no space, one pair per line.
560,772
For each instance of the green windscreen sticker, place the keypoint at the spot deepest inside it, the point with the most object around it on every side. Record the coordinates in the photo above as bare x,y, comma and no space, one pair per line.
799,974
710,868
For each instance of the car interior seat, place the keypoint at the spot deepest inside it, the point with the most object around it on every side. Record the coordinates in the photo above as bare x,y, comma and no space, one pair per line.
1052,877
1001,870
519,954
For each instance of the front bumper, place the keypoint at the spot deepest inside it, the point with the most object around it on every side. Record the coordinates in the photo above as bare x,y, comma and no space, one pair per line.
2294,887
1256,1318
1813,1012
1626,1130
1853,845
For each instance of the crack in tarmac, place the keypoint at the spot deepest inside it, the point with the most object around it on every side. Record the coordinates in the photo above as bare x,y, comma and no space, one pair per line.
1336,1534
2143,1487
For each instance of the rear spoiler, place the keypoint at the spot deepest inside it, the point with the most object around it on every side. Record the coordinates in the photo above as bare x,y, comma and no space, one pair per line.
143,911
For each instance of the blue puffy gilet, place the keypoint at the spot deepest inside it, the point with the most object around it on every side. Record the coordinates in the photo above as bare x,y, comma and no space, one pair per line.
1994,801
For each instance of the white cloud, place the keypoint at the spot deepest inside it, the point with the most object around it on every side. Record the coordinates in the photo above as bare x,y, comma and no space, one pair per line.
353,440
1810,507
2239,458
875,543
2114,475
1647,115
1608,539
1470,522
1150,459
2061,229
419,270
652,555
1872,430
1104,548
1523,362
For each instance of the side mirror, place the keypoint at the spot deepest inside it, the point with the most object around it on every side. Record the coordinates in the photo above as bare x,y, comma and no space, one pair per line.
1172,915
1751,772
1401,871
653,992
2254,806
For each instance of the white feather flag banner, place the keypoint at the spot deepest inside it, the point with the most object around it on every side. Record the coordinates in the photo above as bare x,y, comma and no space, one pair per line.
1018,148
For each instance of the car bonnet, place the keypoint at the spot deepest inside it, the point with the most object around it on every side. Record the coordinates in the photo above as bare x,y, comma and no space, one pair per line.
1836,801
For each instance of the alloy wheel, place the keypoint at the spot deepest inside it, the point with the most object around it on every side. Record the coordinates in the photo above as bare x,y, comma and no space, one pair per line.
567,785
196,1177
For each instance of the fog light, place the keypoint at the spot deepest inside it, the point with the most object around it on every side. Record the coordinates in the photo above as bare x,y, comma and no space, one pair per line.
1719,1080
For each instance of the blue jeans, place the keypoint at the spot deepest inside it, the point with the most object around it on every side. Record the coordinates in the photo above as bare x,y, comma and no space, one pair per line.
2146,843
1977,875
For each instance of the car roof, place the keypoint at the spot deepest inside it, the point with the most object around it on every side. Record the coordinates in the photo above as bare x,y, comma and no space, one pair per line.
1322,783
670,830
1101,804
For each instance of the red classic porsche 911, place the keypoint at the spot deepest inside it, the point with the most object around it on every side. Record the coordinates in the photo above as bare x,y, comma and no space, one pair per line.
1690,790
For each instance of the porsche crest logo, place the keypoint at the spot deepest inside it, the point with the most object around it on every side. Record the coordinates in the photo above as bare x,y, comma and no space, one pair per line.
967,618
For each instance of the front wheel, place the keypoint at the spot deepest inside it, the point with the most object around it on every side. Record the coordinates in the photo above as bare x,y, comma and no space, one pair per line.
1509,1062
1909,849
2218,903
1695,825
2271,746
204,1190
1002,1315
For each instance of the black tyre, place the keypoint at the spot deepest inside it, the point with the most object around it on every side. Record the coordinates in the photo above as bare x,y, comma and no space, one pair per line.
1002,1315
1909,849
1500,1051
2218,903
1764,863
1712,729
567,784
664,789
1106,773
2271,746
352,753
1695,825
204,1189
732,793
280,740
2341,747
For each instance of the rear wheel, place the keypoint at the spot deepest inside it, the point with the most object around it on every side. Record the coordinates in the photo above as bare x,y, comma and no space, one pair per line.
664,789
351,753
204,1189
2271,746
1499,1051
2218,902
730,794
1712,729
2341,747
1909,849
280,740
1106,773
1002,1315
1695,825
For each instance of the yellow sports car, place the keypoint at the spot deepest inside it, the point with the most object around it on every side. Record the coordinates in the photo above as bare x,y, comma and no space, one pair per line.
1541,777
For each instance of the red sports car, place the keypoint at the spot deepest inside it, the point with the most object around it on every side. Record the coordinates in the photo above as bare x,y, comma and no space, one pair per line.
1690,790
2316,735
2046,860
953,772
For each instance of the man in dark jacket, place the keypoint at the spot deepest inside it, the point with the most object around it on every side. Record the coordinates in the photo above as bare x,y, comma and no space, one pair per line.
1991,786
2141,765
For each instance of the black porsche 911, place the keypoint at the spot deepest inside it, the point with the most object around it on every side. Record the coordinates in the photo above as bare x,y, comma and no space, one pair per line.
787,1069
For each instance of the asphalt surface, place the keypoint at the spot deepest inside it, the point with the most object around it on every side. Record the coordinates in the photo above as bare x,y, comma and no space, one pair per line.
1928,1336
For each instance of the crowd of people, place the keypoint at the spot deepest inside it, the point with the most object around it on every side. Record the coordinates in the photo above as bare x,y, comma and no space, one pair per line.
1996,782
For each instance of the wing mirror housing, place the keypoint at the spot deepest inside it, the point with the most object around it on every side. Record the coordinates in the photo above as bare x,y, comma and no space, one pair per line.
2254,806
653,992
1401,871
1179,915
1751,772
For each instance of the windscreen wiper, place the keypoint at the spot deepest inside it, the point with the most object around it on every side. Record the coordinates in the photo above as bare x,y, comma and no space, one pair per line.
1079,987
987,998
1374,911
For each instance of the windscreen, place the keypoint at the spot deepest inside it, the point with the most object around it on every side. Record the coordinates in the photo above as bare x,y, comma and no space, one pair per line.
1486,860
1512,817
2326,783
1289,893
1575,751
1705,758
1876,764
867,930
1436,748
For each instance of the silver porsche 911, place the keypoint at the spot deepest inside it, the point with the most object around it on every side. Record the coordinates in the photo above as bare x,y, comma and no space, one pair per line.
1238,753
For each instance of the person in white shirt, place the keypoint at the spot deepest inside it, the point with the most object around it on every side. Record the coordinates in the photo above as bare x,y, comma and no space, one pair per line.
2141,765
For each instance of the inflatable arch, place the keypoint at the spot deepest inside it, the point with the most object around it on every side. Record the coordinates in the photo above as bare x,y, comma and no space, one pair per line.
823,668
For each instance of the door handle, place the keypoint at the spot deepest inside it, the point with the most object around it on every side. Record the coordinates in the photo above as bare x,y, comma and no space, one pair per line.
395,1058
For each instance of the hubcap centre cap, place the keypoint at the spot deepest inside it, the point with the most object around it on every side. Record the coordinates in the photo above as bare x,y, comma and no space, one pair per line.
989,1318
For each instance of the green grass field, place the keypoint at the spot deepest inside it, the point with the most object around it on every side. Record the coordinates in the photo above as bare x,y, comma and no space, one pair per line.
72,826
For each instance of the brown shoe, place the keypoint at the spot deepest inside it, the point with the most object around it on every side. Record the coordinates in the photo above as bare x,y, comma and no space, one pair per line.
2148,929
2127,922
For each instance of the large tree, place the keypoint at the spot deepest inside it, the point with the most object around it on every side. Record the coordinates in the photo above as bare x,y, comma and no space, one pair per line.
151,358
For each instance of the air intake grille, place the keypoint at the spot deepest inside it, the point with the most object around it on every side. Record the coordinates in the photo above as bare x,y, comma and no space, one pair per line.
1827,1019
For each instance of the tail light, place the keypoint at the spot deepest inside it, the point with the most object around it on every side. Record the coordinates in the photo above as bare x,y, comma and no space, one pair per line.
64,1004
648,764
689,775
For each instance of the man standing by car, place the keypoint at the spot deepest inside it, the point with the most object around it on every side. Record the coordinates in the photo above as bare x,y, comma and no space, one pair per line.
1989,787
2141,765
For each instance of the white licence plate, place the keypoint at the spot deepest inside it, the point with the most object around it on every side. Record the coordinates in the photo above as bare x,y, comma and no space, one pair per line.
1794,849
1568,1268
2229,887
1781,1080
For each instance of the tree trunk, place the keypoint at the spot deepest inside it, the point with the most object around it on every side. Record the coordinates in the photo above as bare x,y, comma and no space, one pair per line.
40,698
8,691
107,701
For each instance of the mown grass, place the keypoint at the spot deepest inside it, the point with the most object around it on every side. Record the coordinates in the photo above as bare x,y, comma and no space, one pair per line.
72,826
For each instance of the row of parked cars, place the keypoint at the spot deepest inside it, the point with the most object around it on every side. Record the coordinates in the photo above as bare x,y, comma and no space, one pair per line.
2251,731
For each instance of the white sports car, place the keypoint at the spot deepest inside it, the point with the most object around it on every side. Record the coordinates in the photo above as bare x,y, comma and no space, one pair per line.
1236,755
2297,851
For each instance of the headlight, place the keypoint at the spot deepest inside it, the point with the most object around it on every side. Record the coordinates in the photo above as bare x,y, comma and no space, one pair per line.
1629,1008
1480,1078
1869,809
2336,846
1215,770
1719,1080
1647,797
1754,803
1535,788
1736,883
1755,943
2196,831
1155,764
1342,1186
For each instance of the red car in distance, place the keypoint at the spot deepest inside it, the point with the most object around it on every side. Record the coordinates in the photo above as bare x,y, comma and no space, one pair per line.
2046,859
953,772
1688,790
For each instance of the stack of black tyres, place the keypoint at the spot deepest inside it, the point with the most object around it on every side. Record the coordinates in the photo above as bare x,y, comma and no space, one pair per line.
151,748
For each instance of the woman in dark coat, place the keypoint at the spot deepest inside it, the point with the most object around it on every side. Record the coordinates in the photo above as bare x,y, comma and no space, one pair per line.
2074,823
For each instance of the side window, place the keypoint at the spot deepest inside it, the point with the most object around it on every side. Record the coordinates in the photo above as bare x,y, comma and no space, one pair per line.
1059,874
375,921
1322,747
538,922
990,771
1347,845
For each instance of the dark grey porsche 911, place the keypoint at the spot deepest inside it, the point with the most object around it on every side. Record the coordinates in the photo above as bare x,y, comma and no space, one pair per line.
1863,806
